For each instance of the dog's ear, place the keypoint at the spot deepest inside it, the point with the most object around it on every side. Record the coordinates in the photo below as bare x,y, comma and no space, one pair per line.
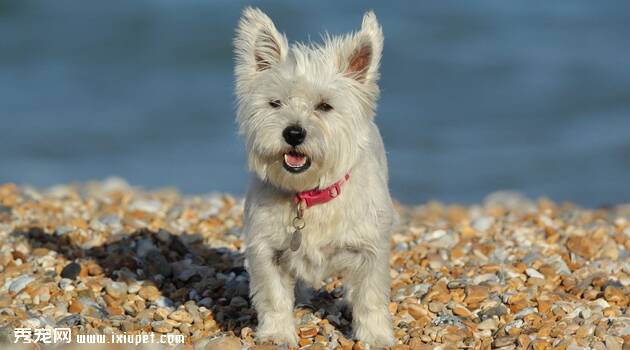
258,44
361,55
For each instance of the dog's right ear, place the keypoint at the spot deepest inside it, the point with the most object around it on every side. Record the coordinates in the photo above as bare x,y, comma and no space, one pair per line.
362,54
258,44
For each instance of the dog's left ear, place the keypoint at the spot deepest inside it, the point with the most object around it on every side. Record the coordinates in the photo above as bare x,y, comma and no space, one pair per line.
361,56
258,44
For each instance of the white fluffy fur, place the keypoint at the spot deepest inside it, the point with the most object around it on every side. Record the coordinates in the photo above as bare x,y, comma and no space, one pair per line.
347,236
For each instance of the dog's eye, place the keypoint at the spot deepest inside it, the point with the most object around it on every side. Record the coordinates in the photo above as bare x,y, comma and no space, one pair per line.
323,107
275,103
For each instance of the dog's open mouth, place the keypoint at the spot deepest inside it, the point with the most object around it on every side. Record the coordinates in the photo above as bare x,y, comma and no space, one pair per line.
296,162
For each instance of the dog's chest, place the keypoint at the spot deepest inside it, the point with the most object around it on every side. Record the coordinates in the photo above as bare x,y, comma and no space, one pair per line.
317,230
324,239
311,263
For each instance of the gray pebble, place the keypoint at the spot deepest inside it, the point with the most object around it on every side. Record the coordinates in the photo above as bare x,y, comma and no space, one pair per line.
483,223
526,311
71,321
164,302
66,284
238,302
458,283
18,284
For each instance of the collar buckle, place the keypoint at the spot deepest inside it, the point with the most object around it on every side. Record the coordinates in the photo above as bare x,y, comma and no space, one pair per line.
317,196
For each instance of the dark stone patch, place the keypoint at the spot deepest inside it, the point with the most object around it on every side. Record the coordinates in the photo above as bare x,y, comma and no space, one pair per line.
71,271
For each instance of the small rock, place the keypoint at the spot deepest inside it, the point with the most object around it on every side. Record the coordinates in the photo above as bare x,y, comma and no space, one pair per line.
514,326
476,294
416,291
533,273
450,338
583,246
149,292
133,288
265,347
163,302
462,311
359,346
503,341
610,250
71,271
437,234
6,336
181,316
614,294
75,307
71,321
489,324
402,246
236,287
154,263
161,326
129,326
184,328
161,314
435,307
116,290
187,273
585,313
511,200
18,284
206,302
238,302
523,341
308,332
597,345
526,311
115,310
416,311
458,283
445,242
146,205
540,344
94,269
485,278
224,343
5,300
559,265
448,320
483,223
613,343
345,343
133,308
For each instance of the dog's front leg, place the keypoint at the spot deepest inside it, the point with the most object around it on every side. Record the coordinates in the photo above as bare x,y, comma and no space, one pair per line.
368,286
272,292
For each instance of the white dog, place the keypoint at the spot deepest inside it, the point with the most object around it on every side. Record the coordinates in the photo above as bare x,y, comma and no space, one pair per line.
319,204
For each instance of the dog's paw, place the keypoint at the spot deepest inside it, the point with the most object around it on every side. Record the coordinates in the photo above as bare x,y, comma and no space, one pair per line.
277,337
375,331
376,338
279,331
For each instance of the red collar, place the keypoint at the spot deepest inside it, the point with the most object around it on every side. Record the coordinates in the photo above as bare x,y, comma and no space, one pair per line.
317,196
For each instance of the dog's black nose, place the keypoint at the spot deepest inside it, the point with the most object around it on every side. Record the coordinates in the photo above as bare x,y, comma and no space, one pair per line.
294,135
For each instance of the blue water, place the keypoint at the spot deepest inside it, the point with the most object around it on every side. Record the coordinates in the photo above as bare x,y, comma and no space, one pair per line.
477,96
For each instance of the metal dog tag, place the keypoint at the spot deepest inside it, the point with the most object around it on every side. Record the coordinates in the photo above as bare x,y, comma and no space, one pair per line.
298,224
296,240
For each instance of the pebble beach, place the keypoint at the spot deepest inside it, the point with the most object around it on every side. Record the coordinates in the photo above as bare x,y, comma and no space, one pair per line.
507,273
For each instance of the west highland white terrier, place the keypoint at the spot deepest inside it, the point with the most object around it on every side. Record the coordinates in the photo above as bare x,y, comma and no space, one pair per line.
318,204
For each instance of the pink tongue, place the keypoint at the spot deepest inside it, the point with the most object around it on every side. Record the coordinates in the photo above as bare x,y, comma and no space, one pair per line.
295,160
